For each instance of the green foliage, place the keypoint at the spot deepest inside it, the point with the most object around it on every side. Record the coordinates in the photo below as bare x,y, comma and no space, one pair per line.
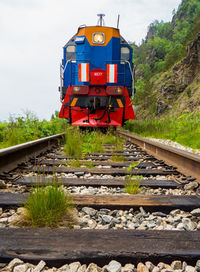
185,129
133,165
81,143
133,184
73,163
73,142
48,206
89,164
27,128
165,45
117,158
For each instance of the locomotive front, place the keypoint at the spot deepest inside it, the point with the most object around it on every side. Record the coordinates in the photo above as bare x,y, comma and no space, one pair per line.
97,78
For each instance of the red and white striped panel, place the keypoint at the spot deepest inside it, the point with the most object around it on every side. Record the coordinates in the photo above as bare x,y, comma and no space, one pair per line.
84,72
112,73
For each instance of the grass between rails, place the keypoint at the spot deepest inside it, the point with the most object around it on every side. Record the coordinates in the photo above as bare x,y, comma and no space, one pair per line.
184,129
79,144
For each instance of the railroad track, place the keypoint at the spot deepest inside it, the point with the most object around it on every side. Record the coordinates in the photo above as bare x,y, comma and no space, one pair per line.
160,223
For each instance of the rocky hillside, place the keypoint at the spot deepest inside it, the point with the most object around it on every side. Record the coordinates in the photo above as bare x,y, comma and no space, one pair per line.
168,65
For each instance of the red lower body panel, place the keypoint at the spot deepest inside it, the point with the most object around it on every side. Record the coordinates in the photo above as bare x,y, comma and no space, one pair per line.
97,110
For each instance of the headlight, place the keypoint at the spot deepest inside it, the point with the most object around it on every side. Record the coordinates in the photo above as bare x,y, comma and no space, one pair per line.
80,89
98,38
111,90
76,89
118,90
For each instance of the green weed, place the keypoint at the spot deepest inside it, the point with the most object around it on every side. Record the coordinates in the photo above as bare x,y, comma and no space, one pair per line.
73,163
73,142
48,206
133,184
117,158
89,165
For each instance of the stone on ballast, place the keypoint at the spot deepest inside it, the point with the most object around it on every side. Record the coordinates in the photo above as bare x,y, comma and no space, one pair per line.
106,219
21,210
188,224
1,211
142,268
131,225
191,186
176,265
174,212
92,224
190,268
82,268
2,184
155,269
166,270
149,265
14,262
161,214
39,267
64,268
74,266
92,267
113,266
196,212
21,268
89,211
4,220
151,225
115,221
104,211
128,268
13,218
180,226
162,265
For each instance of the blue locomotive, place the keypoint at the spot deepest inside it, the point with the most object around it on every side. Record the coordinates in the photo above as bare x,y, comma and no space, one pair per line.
97,78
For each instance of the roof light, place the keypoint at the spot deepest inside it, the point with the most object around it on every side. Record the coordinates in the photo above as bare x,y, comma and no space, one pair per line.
98,38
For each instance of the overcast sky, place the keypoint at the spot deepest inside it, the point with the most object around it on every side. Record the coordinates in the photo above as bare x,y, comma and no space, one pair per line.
33,32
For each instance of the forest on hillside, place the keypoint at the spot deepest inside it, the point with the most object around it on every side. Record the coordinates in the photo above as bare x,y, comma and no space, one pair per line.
165,44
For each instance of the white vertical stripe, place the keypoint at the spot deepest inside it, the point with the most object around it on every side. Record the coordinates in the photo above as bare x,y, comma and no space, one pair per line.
112,73
84,71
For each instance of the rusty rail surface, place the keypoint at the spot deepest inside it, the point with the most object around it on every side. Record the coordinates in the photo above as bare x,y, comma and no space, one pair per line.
12,156
186,162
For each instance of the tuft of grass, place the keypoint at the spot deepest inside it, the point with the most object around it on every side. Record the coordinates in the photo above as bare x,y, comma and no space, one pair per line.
117,158
133,165
73,142
133,184
73,163
89,165
48,206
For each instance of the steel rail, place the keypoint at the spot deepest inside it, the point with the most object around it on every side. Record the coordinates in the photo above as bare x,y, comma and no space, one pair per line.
186,162
12,156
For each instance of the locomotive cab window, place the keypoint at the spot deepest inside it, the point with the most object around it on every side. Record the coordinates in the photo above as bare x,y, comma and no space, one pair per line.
71,52
125,54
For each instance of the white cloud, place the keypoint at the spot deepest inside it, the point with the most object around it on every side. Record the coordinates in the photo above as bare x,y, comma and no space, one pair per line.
33,32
